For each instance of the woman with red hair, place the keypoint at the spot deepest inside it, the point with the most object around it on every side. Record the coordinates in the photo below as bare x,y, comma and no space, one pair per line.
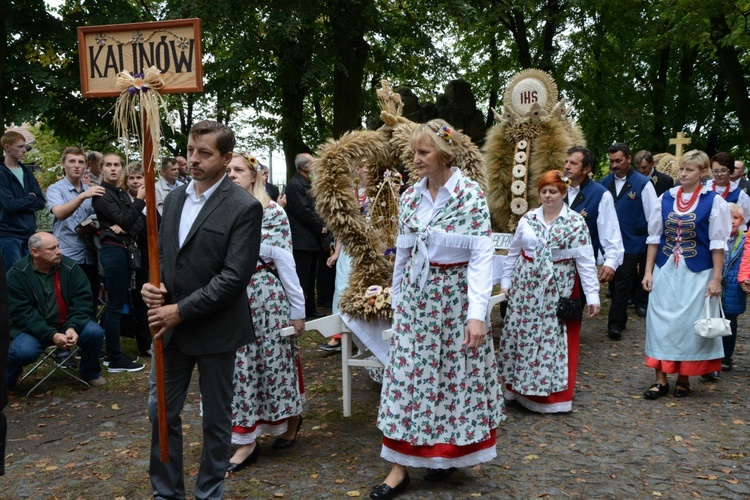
550,259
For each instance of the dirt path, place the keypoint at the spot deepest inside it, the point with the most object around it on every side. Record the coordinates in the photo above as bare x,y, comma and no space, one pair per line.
72,443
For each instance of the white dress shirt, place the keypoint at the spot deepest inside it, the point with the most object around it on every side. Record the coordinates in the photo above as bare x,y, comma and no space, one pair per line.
192,207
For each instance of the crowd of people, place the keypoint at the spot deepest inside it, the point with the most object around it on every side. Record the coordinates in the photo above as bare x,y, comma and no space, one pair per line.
239,262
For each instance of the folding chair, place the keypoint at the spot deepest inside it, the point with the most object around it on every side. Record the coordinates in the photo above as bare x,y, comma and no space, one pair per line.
49,357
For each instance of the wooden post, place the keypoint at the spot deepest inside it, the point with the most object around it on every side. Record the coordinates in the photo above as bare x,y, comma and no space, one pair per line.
155,279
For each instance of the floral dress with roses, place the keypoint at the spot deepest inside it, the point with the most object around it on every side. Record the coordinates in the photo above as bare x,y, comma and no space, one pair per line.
267,374
441,402
538,352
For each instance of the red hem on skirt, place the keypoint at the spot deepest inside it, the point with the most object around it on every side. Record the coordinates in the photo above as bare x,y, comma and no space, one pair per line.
247,430
573,331
686,368
444,450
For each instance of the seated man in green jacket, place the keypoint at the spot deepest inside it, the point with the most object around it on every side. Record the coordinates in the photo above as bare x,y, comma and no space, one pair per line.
49,298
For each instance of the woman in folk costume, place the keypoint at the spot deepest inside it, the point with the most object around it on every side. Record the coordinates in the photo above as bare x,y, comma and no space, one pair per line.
550,259
687,237
267,373
722,168
441,402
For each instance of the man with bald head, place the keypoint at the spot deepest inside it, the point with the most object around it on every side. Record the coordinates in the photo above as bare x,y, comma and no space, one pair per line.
738,175
49,298
308,229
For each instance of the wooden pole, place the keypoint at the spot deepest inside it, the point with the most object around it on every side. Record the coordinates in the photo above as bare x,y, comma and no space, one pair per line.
149,167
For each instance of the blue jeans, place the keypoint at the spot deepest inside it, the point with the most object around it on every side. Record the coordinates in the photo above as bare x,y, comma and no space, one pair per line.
26,349
114,260
13,249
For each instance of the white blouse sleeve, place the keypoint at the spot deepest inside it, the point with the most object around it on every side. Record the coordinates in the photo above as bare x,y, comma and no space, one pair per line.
719,224
586,266
609,232
479,278
516,245
402,255
744,202
284,263
655,223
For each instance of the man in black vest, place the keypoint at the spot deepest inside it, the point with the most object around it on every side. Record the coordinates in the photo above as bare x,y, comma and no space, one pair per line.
595,204
644,163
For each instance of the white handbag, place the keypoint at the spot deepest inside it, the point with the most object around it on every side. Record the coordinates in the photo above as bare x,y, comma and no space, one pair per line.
708,327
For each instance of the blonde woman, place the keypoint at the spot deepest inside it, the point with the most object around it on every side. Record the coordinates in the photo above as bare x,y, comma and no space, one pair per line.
688,231
268,393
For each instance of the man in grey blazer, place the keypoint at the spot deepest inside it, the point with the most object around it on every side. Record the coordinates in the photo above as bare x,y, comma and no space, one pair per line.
209,243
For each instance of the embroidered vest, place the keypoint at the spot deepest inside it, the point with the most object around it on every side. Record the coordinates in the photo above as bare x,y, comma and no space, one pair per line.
688,231
629,208
587,204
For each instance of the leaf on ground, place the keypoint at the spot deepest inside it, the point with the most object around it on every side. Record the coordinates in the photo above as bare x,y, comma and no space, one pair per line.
340,481
352,493
115,407
738,422
733,481
107,434
278,494
52,467
314,476
475,495
726,470
656,493
531,457
678,438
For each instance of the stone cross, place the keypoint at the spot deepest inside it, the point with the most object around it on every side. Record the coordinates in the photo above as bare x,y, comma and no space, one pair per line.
678,142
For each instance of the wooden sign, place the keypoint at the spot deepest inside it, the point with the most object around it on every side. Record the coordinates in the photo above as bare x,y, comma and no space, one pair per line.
174,47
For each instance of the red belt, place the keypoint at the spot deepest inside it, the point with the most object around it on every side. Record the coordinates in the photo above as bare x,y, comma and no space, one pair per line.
531,259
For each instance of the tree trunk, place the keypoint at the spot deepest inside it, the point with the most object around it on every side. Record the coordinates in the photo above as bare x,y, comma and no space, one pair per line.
3,56
659,91
349,24
732,70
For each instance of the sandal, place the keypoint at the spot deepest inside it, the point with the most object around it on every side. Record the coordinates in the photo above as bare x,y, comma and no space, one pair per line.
281,444
681,389
661,390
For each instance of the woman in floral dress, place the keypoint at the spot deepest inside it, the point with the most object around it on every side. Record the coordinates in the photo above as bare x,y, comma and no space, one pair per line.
267,380
687,236
441,402
550,257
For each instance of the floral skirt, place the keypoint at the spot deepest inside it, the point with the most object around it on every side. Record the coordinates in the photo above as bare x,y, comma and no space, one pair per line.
441,402
267,373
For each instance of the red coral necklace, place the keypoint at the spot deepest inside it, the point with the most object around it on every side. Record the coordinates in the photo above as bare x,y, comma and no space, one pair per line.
685,206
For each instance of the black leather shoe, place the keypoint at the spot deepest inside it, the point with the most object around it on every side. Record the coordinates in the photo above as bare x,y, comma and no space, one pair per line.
614,333
640,312
282,444
385,492
250,460
681,389
438,474
663,390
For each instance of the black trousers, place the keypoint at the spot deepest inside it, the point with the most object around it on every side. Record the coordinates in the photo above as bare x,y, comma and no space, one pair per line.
307,267
621,288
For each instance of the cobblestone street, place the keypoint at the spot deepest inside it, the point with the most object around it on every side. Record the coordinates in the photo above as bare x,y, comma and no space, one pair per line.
615,444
